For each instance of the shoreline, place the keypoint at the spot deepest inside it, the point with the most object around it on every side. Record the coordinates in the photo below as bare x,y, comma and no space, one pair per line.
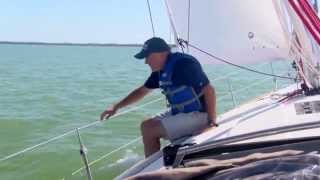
74,44
69,44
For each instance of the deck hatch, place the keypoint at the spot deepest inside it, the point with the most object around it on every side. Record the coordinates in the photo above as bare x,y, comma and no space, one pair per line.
309,107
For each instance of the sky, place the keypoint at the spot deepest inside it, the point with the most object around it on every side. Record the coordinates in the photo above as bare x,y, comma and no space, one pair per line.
82,21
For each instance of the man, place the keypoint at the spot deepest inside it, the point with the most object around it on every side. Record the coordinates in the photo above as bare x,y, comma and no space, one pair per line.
188,91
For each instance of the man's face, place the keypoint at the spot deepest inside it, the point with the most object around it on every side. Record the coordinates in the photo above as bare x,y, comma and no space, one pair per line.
155,61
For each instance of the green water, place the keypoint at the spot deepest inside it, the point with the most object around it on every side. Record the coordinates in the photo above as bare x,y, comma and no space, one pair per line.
46,91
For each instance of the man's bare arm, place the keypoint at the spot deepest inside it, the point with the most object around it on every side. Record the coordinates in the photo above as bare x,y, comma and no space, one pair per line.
133,97
210,100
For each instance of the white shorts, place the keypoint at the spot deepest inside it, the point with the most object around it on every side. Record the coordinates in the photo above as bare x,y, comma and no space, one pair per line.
183,124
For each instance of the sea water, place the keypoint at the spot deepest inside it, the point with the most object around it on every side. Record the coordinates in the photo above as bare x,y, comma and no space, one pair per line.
46,91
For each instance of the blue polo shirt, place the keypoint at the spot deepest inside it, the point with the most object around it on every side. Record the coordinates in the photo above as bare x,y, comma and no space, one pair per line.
186,72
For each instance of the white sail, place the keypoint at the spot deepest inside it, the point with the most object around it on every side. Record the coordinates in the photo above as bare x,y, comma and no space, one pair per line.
240,31
304,49
244,31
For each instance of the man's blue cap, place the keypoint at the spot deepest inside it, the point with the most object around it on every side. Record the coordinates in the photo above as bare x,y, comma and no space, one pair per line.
152,45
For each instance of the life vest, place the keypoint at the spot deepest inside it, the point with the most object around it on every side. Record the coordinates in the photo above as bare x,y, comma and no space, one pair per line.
181,99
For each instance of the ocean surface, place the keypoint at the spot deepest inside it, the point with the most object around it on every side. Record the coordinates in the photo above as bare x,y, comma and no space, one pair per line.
46,91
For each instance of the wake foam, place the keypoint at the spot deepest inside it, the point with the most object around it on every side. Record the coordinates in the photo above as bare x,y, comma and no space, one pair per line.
130,158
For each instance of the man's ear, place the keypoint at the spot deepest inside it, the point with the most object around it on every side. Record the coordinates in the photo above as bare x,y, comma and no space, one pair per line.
164,55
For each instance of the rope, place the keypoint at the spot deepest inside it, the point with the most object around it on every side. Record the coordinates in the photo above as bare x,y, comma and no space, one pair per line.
72,131
299,51
175,33
150,15
107,155
189,9
181,41
299,67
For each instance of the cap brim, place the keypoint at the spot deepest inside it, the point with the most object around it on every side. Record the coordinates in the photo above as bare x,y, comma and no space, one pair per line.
141,55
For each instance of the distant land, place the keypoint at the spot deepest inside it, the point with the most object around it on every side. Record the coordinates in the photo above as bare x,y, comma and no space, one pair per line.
71,44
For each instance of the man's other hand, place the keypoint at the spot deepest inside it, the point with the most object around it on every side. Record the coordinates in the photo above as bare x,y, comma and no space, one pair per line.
108,113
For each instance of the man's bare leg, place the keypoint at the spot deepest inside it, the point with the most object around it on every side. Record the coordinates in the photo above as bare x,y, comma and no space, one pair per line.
152,130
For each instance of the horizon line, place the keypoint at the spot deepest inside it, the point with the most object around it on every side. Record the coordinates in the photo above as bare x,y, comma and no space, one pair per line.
72,44
69,43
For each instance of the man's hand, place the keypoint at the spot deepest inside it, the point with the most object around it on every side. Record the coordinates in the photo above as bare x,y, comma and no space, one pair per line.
134,96
212,122
108,113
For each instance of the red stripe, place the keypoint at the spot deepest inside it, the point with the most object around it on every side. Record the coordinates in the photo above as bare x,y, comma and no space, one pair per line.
305,21
313,12
310,14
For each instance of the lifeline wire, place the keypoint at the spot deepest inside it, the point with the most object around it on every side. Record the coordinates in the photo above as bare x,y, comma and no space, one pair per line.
72,131
181,42
108,154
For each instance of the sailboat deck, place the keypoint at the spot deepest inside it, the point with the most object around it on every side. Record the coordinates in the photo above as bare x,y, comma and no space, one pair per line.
263,113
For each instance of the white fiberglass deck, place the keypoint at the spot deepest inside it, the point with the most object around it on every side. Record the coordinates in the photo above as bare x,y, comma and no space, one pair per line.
262,113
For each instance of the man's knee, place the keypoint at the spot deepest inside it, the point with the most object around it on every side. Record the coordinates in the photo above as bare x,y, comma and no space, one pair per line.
152,128
145,125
